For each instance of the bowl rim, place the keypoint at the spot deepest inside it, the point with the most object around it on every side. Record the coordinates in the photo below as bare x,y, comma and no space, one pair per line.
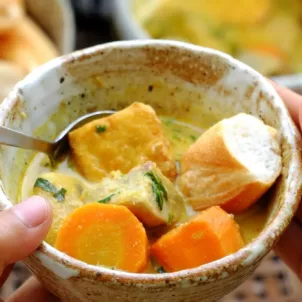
249,255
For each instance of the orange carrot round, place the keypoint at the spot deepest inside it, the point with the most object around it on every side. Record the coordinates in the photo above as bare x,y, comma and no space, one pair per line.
104,234
210,235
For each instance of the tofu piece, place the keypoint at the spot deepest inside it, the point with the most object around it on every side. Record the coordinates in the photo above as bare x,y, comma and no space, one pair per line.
64,192
122,141
145,191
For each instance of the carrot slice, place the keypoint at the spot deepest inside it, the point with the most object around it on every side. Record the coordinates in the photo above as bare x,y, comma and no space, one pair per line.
104,234
210,235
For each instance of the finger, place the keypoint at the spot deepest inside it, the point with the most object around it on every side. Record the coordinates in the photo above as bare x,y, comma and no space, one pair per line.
32,291
289,247
22,229
292,100
5,274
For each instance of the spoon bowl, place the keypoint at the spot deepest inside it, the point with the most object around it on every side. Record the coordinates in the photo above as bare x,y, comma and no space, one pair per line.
55,149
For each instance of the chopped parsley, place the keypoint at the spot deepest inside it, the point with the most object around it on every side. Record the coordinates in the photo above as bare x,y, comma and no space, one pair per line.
107,199
176,137
47,186
70,163
168,121
158,190
170,218
100,128
161,270
60,195
193,137
219,32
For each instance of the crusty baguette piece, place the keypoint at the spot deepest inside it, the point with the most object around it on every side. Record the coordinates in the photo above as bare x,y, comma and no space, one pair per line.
10,74
232,164
11,12
27,45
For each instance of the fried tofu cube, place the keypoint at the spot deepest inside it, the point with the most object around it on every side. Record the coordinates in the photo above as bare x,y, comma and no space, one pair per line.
145,191
121,142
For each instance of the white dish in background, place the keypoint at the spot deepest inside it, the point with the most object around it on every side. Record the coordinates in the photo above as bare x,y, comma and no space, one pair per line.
57,19
125,24
128,29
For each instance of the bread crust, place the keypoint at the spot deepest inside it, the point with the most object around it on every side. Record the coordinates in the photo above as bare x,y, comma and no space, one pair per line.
211,175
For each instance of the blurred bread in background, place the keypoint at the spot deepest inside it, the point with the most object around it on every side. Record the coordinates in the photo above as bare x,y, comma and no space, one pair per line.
27,45
26,42
11,12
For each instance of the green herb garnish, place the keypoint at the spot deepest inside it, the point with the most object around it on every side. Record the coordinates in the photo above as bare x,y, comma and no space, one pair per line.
176,137
169,121
100,128
170,218
47,186
70,163
60,195
158,190
107,199
161,270
219,32
193,137
158,196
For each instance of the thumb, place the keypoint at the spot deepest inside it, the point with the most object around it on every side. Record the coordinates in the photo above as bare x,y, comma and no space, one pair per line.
300,117
22,228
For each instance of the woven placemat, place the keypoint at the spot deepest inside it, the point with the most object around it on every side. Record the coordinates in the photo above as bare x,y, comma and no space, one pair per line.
272,282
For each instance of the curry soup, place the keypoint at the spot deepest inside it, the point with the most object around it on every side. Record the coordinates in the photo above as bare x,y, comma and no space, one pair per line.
70,191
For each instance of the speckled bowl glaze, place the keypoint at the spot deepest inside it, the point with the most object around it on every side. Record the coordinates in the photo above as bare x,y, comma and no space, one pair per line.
183,78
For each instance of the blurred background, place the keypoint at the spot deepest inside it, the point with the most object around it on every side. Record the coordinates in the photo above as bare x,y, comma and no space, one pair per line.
266,34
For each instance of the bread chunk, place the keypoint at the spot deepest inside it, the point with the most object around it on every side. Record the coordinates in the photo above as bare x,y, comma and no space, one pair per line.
232,164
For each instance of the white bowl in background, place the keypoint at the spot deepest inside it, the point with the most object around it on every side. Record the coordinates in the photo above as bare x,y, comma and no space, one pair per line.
124,21
129,29
57,19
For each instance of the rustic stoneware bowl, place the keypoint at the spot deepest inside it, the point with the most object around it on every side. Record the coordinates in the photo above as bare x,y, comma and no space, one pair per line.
190,81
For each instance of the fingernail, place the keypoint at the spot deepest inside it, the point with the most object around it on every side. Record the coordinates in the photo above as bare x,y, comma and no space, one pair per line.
32,212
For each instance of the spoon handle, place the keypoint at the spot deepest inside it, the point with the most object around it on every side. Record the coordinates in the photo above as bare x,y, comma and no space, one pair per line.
13,138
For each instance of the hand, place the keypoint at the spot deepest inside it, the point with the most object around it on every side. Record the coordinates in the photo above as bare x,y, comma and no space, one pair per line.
25,225
289,247
22,229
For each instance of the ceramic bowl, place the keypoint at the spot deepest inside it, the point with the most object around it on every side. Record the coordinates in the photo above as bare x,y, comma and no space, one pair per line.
187,80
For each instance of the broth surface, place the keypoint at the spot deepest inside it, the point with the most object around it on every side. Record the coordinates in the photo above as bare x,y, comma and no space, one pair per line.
181,135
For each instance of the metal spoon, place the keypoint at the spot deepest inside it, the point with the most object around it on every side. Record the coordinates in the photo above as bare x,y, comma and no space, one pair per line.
55,149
